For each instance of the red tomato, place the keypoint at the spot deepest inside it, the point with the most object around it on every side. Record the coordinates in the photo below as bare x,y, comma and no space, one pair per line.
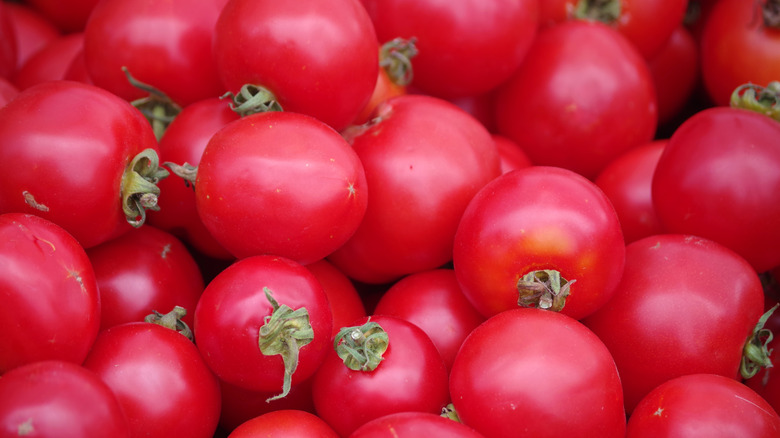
8,47
740,43
316,58
414,425
433,301
58,399
507,378
346,303
684,305
7,91
262,188
539,227
409,377
70,16
288,423
627,182
31,30
466,47
240,405
50,62
161,381
164,44
262,320
49,289
512,155
582,95
143,271
414,145
727,193
675,70
703,405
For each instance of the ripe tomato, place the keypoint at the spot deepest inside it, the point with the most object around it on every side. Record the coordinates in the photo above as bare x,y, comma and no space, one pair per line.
507,377
346,303
395,367
414,144
280,183
240,405
51,307
69,17
703,405
8,48
684,305
562,103
287,423
676,74
83,158
166,45
7,91
50,62
32,31
316,58
414,425
263,324
727,193
512,155
53,398
543,226
466,47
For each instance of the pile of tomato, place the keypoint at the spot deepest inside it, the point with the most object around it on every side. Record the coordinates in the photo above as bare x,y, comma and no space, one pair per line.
389,218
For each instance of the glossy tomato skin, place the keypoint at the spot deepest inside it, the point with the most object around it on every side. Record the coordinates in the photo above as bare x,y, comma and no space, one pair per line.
233,307
411,377
416,144
317,58
690,304
159,378
166,45
676,74
54,398
465,48
695,192
49,288
50,62
413,425
280,183
143,271
561,105
74,142
345,301
537,371
512,155
703,405
32,31
8,48
539,218
286,423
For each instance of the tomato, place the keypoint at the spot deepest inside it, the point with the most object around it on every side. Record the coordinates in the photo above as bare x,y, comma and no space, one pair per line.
395,60
703,405
346,304
507,377
563,103
31,30
68,16
395,367
316,58
48,288
740,43
56,398
262,187
240,405
289,423
433,301
675,70
466,47
166,45
766,381
50,62
413,425
8,48
159,378
727,193
684,305
414,144
7,91
512,155
263,324
539,227
184,141
627,182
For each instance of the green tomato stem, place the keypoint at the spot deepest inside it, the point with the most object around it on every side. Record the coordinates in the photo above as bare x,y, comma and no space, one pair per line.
764,100
605,11
253,99
544,289
171,320
157,107
139,186
361,347
755,354
395,57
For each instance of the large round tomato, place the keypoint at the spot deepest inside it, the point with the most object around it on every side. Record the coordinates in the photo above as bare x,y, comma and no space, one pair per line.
280,183
539,237
582,95
540,372
414,425
80,157
285,423
676,74
726,193
51,306
316,58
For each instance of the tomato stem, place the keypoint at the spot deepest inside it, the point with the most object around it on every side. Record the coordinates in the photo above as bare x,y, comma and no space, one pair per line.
545,289
157,107
755,353
450,413
253,99
185,171
171,320
139,186
395,57
764,100
284,333
770,12
605,11
361,347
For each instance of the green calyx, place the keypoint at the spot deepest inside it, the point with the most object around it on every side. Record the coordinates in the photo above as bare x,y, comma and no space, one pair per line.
171,320
543,289
361,347
139,186
605,11
395,57
755,354
450,413
185,171
157,107
764,100
253,99
284,333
